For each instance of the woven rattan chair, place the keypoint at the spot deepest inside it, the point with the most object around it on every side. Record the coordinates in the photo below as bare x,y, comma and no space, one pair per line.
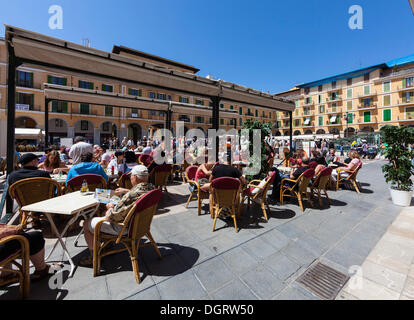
22,274
145,159
159,176
3,165
259,197
32,190
135,226
196,193
351,178
320,184
225,192
125,181
297,188
94,181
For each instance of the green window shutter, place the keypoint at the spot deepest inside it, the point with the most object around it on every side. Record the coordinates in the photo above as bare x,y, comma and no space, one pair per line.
54,106
65,107
240,111
32,100
140,92
103,87
257,113
49,79
79,83
65,81
350,117
129,92
367,116
321,121
387,100
387,115
91,85
404,83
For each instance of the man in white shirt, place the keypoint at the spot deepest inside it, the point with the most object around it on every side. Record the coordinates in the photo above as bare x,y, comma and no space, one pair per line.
147,149
105,158
78,149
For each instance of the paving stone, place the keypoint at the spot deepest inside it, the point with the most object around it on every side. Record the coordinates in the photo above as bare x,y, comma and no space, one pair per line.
263,282
282,266
258,249
294,292
298,253
196,254
150,293
184,286
213,274
122,284
313,244
390,279
408,290
167,267
235,290
344,257
220,243
291,231
365,289
238,260
276,239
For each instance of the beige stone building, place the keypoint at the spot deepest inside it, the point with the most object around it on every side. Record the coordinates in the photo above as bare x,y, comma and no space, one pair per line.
97,122
363,100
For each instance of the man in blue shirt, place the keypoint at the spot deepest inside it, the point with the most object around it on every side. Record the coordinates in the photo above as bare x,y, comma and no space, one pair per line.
86,167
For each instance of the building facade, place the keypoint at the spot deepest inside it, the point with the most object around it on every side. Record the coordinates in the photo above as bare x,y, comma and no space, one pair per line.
363,100
97,122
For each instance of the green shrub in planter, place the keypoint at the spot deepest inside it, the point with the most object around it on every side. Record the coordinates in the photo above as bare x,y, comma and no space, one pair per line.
399,169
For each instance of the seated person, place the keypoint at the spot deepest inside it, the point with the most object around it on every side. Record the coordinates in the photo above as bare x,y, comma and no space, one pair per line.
223,170
203,174
130,160
105,157
352,165
30,163
52,163
36,252
43,158
117,213
318,158
118,163
294,175
87,166
331,157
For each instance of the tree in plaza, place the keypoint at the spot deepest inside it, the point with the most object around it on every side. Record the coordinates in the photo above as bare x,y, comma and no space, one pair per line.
400,167
265,130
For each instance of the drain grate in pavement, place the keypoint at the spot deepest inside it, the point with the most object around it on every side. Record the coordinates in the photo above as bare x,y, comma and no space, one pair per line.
323,281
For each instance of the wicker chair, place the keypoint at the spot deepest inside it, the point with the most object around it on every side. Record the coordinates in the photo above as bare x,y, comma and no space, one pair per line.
22,273
94,181
351,178
297,188
23,192
3,166
259,197
145,159
125,181
135,226
320,184
159,176
196,193
225,193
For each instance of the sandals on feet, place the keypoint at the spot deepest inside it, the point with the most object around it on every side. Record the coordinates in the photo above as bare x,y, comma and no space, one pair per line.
40,274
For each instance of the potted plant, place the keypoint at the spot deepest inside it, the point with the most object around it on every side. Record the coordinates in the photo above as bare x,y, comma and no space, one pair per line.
399,168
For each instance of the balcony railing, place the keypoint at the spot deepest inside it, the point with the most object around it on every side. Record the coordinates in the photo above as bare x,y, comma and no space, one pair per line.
370,94
361,106
337,98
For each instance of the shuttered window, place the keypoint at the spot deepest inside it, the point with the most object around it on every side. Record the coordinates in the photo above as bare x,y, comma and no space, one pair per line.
386,115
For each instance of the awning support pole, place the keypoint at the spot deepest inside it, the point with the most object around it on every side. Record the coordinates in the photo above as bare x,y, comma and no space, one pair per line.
11,114
47,122
290,133
216,120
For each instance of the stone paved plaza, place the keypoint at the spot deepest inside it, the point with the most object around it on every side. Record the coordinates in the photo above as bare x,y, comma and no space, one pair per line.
263,260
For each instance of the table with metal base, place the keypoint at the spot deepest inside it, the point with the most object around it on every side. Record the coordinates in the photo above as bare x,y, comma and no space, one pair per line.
73,204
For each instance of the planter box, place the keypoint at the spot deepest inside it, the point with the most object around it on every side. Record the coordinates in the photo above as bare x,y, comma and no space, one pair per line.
401,198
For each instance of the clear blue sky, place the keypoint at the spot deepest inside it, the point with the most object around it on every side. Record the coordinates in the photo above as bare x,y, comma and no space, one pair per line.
268,45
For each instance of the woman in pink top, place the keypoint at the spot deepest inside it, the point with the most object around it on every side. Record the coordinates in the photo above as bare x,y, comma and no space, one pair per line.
352,166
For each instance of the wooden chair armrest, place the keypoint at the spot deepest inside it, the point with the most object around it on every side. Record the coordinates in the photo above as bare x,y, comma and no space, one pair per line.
24,243
254,186
287,179
254,181
194,182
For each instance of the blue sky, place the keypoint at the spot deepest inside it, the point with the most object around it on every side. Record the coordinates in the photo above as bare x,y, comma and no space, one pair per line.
268,45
